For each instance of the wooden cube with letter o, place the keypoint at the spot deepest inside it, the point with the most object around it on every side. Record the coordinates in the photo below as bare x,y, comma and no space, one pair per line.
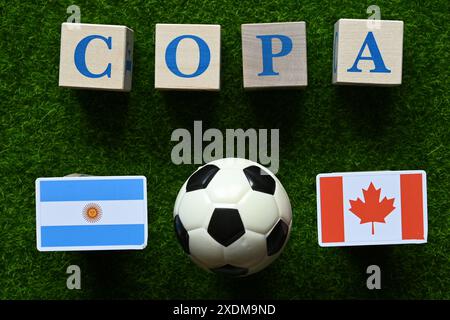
187,57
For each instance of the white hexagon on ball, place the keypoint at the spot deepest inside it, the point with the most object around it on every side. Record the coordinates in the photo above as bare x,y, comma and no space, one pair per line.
232,216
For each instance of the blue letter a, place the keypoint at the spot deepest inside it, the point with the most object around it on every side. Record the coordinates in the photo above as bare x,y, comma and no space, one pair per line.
268,55
375,56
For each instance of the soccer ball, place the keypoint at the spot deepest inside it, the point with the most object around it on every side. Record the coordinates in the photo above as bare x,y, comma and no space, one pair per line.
232,216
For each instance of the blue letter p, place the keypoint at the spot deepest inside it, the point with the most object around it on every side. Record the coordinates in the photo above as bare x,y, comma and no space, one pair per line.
268,54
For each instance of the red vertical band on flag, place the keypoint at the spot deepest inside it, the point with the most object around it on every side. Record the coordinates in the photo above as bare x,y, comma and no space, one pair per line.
332,209
412,206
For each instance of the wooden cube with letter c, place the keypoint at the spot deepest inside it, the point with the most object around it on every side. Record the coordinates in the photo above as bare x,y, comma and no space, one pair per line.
95,56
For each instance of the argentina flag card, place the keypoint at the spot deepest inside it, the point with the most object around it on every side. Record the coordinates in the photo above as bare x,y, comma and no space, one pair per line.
91,213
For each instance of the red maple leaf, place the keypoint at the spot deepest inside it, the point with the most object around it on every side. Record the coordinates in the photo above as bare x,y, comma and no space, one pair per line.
372,210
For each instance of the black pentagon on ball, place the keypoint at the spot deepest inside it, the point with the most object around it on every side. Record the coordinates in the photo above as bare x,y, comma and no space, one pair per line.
182,234
202,177
231,270
277,237
226,226
259,180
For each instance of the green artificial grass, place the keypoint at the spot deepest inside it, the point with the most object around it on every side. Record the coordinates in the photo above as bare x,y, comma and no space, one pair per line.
47,131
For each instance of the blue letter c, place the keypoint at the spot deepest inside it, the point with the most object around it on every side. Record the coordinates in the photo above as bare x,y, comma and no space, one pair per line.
80,56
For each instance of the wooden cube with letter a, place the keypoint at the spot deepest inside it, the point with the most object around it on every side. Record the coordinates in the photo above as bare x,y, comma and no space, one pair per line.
95,56
274,55
368,52
187,57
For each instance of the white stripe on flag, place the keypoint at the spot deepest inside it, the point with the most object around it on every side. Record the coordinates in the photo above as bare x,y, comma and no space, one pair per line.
66,213
391,230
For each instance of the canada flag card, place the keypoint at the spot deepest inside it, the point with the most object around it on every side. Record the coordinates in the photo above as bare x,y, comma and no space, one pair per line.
372,208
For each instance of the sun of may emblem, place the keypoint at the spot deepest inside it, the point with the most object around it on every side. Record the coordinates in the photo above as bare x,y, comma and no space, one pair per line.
92,212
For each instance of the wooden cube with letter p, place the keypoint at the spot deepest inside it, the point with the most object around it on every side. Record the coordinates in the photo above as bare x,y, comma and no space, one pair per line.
274,55
368,52
187,57
95,56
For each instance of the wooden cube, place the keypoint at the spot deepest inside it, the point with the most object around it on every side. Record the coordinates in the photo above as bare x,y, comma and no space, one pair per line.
368,52
187,57
274,55
95,56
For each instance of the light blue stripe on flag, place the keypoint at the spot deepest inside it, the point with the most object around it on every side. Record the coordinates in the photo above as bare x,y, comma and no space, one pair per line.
99,235
92,190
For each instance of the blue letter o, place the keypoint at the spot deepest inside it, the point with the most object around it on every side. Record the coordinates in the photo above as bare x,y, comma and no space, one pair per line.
171,56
